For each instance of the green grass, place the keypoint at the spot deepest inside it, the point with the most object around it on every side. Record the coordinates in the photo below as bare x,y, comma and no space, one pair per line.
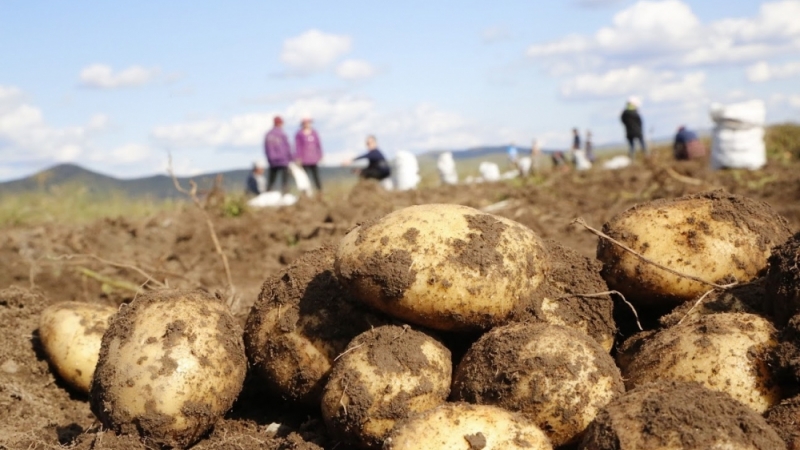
73,204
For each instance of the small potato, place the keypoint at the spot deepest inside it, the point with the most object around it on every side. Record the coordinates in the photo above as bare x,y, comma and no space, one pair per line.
171,364
556,376
385,375
302,320
71,333
461,426
714,236
446,267
672,415
727,352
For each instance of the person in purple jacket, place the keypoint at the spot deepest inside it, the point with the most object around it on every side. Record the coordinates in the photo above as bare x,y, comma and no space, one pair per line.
308,150
279,154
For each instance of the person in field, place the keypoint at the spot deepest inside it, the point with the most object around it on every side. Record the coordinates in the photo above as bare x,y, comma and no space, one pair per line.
687,145
256,181
633,127
308,150
377,166
279,154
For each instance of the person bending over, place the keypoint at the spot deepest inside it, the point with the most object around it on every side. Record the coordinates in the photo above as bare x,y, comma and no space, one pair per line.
377,167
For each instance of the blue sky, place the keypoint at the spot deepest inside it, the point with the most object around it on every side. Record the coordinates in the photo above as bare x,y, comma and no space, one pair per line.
117,86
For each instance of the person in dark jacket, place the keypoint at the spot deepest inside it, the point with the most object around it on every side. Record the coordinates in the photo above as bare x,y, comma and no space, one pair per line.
279,154
633,127
377,166
256,182
687,145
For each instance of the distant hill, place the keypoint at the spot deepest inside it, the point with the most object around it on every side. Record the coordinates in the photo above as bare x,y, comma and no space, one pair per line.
156,186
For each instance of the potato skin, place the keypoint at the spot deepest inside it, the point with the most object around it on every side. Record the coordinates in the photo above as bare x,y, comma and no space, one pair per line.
461,426
447,267
301,321
670,415
728,352
714,236
385,375
171,364
71,333
556,376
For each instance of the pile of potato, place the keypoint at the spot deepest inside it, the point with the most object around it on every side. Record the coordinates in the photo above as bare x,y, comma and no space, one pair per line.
444,327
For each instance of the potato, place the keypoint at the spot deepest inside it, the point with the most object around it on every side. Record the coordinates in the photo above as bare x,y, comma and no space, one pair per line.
446,267
744,298
171,364
728,352
678,416
302,320
561,300
70,333
385,375
556,376
461,426
783,280
715,236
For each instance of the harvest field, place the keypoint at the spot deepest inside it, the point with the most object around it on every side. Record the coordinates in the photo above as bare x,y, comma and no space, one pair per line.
113,260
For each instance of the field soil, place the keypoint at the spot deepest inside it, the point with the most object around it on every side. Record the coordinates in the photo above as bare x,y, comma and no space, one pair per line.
112,260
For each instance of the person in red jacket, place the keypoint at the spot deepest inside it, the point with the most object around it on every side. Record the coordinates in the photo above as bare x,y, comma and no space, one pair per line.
308,150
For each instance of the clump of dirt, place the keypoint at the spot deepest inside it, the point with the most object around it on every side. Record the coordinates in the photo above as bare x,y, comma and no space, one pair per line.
573,294
678,415
386,275
784,418
312,306
479,252
783,280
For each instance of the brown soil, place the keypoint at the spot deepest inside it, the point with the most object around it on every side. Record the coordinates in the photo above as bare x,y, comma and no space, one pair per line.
678,415
748,298
784,417
783,280
44,266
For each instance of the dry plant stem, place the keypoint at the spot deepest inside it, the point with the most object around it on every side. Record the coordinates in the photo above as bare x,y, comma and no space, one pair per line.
696,304
348,351
599,233
192,193
603,294
149,277
683,178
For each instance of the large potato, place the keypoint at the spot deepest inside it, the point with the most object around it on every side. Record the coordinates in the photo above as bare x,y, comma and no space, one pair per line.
447,267
714,236
461,426
301,321
556,376
71,333
385,375
728,352
678,416
171,364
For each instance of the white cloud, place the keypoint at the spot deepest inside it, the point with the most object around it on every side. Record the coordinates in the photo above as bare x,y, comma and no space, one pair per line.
314,50
102,76
343,122
657,87
667,33
763,71
794,101
355,69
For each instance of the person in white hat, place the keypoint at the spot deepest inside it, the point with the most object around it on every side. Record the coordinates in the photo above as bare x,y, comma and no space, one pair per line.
256,181
633,127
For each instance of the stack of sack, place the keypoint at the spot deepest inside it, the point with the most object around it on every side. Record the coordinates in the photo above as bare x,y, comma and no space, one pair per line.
447,168
405,171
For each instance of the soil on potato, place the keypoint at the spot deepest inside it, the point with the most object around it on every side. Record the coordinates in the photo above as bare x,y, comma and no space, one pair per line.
57,262
678,415
783,280
784,418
